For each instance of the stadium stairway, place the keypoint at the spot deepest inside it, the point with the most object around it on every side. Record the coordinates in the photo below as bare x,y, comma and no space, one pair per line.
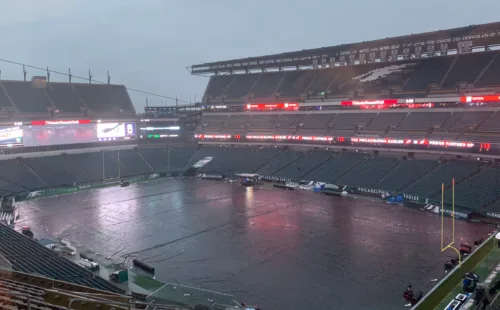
303,165
486,68
166,160
405,173
48,171
24,291
334,168
227,160
132,163
430,184
5,99
369,172
144,159
476,191
455,59
259,158
27,255
18,174
279,162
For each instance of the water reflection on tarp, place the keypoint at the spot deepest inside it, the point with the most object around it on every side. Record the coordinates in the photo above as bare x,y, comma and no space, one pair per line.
280,249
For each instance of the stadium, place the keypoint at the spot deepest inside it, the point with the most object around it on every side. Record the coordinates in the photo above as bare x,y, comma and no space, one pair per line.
107,207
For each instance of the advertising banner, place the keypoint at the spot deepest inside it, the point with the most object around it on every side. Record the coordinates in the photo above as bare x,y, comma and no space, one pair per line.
11,136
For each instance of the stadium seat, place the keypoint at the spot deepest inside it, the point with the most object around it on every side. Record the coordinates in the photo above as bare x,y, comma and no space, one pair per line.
217,85
27,98
241,85
385,121
423,120
266,85
303,165
334,168
4,100
479,192
16,173
173,159
413,76
430,184
227,159
467,69
64,97
279,162
259,159
50,171
368,172
27,255
110,100
428,71
490,75
405,173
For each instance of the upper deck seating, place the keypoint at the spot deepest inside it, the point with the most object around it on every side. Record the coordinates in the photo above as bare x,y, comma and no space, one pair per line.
467,68
64,97
26,97
412,75
241,85
217,85
4,100
490,77
266,84
107,99
429,71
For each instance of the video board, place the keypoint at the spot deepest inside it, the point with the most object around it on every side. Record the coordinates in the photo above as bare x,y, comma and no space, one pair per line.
11,136
58,134
116,131
159,132
61,132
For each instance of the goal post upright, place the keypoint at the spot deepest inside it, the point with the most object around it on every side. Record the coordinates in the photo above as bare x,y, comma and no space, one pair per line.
450,245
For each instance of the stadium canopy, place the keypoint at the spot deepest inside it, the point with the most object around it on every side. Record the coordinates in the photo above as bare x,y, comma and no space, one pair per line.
461,40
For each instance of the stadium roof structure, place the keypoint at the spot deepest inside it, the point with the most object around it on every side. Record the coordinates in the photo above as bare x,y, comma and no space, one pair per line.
461,40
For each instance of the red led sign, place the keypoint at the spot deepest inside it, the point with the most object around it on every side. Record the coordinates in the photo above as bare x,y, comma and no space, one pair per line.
369,102
305,138
367,140
212,136
264,106
489,98
60,122
442,143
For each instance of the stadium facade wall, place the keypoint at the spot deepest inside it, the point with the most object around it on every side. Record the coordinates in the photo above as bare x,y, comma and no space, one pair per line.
71,189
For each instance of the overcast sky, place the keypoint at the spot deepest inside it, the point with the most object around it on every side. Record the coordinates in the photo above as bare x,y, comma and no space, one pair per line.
147,44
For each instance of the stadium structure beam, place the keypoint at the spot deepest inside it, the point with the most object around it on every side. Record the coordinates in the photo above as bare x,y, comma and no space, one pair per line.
462,39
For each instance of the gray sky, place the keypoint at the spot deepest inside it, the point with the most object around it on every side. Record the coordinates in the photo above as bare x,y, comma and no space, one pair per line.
147,44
